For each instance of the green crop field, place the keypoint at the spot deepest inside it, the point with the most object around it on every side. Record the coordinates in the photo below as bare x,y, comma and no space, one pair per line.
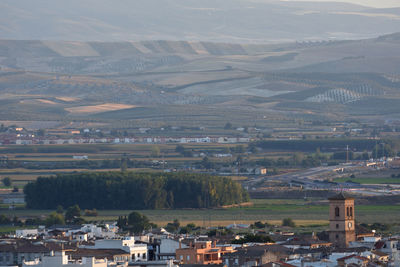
272,211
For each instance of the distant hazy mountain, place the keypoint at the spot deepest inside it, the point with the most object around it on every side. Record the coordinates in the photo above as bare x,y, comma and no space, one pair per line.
376,55
238,21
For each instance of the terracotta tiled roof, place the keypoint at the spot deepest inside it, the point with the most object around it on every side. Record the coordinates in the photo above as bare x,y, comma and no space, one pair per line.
346,257
201,265
360,230
380,253
30,248
258,251
362,258
7,248
306,242
351,250
379,244
353,256
279,263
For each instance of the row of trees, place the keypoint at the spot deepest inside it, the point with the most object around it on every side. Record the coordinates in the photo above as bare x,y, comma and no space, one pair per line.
77,164
297,160
83,148
135,223
71,216
128,190
370,147
323,145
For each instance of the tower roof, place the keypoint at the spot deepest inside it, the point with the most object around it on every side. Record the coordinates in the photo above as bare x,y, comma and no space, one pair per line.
340,196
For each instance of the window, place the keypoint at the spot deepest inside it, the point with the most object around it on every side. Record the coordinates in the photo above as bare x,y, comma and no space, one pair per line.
337,236
347,211
351,211
133,256
144,255
188,257
337,213
181,257
337,226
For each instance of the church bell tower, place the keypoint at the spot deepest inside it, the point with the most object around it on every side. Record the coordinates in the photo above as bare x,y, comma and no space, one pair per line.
341,220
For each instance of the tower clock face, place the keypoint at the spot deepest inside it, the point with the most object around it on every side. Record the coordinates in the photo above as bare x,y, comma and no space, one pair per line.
350,225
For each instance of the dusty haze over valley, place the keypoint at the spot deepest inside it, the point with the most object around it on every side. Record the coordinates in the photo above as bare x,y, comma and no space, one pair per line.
219,133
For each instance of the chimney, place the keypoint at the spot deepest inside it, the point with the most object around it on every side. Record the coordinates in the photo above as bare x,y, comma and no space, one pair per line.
180,243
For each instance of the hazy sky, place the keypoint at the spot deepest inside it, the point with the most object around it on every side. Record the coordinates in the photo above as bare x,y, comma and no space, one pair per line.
372,3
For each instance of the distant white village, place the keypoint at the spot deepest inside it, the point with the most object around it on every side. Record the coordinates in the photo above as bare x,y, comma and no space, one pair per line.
125,140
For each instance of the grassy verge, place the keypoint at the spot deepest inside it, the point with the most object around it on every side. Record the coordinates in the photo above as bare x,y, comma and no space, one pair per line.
272,211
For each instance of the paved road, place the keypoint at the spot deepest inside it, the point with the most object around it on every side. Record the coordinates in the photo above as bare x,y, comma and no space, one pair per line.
314,178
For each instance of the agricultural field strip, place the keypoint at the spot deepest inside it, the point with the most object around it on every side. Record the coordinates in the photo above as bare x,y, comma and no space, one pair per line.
264,210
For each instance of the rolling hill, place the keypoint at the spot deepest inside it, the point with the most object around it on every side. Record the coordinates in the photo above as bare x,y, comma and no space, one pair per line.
157,81
234,21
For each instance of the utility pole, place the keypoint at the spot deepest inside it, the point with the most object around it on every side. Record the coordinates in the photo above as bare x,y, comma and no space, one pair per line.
347,153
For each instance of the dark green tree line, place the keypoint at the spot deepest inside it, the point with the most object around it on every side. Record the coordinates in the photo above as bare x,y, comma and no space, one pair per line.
128,190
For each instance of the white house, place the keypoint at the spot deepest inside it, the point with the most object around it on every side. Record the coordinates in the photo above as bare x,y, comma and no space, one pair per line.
59,259
331,261
353,259
24,233
138,252
109,231
80,236
167,248
391,247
